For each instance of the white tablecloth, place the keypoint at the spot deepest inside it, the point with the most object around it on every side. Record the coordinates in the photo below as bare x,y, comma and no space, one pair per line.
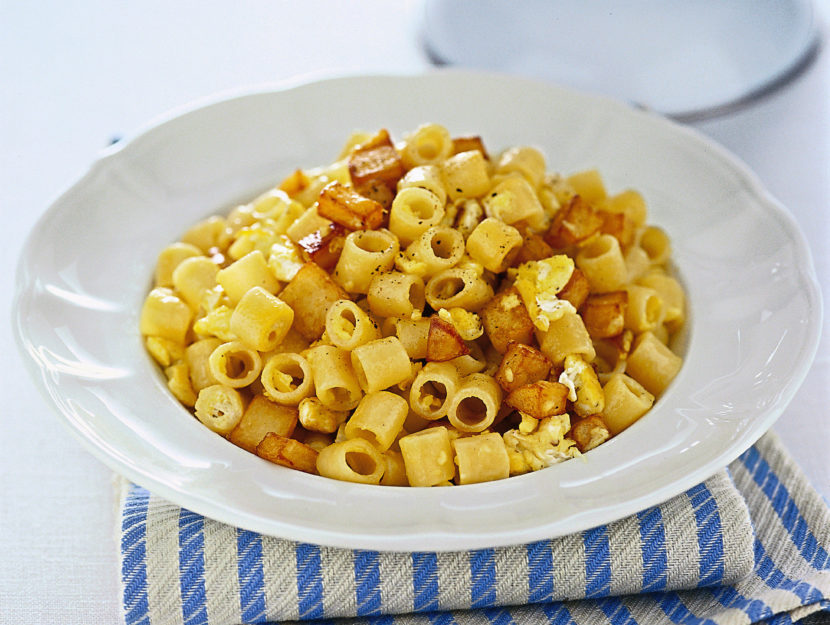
74,75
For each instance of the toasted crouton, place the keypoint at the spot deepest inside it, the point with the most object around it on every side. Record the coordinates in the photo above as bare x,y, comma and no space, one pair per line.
540,399
310,294
521,364
287,452
465,144
443,342
604,314
324,247
589,432
345,206
506,319
260,417
375,168
576,289
573,223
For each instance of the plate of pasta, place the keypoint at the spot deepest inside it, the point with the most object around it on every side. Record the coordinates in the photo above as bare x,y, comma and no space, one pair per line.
445,311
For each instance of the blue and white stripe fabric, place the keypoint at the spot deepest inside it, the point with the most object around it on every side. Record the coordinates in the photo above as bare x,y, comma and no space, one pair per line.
749,545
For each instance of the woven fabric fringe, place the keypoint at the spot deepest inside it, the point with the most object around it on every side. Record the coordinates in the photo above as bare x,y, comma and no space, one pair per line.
694,559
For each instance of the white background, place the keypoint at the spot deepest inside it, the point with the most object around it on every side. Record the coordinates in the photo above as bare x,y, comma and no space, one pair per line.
75,75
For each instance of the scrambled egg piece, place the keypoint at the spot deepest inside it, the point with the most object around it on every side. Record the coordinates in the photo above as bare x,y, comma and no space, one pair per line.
584,389
541,447
467,324
538,282
216,323
164,351
406,264
284,258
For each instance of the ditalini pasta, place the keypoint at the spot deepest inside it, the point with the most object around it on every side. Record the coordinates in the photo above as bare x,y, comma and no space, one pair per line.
420,313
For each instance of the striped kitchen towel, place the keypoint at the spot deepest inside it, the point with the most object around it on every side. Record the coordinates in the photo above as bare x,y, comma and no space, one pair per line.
749,545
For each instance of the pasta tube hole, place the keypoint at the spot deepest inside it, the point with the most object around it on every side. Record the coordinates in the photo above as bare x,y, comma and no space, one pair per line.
336,395
361,462
442,246
432,395
238,364
471,411
374,242
416,295
421,207
596,248
654,310
449,287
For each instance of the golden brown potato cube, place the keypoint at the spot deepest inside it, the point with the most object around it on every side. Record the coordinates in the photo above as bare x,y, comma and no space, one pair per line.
295,182
465,144
540,399
380,164
443,341
604,314
533,248
618,225
260,417
287,452
576,289
310,294
324,248
589,432
345,206
573,223
506,319
521,365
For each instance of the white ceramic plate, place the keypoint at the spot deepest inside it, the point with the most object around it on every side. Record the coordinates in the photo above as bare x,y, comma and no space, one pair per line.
85,270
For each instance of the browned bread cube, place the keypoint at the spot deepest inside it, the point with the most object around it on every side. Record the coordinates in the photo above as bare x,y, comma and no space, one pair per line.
324,248
576,289
465,144
521,364
540,399
345,206
444,342
506,319
287,452
604,314
589,432
573,223
310,294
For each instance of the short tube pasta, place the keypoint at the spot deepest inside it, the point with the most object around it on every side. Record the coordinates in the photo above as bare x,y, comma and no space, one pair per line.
437,249
429,144
365,254
414,210
396,294
625,402
334,380
644,311
352,460
428,457
474,405
433,389
235,364
652,363
287,379
602,262
378,418
424,177
220,408
458,288
349,326
380,364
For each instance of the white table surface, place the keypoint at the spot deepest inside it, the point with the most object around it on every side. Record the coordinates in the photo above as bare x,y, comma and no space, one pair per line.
74,75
